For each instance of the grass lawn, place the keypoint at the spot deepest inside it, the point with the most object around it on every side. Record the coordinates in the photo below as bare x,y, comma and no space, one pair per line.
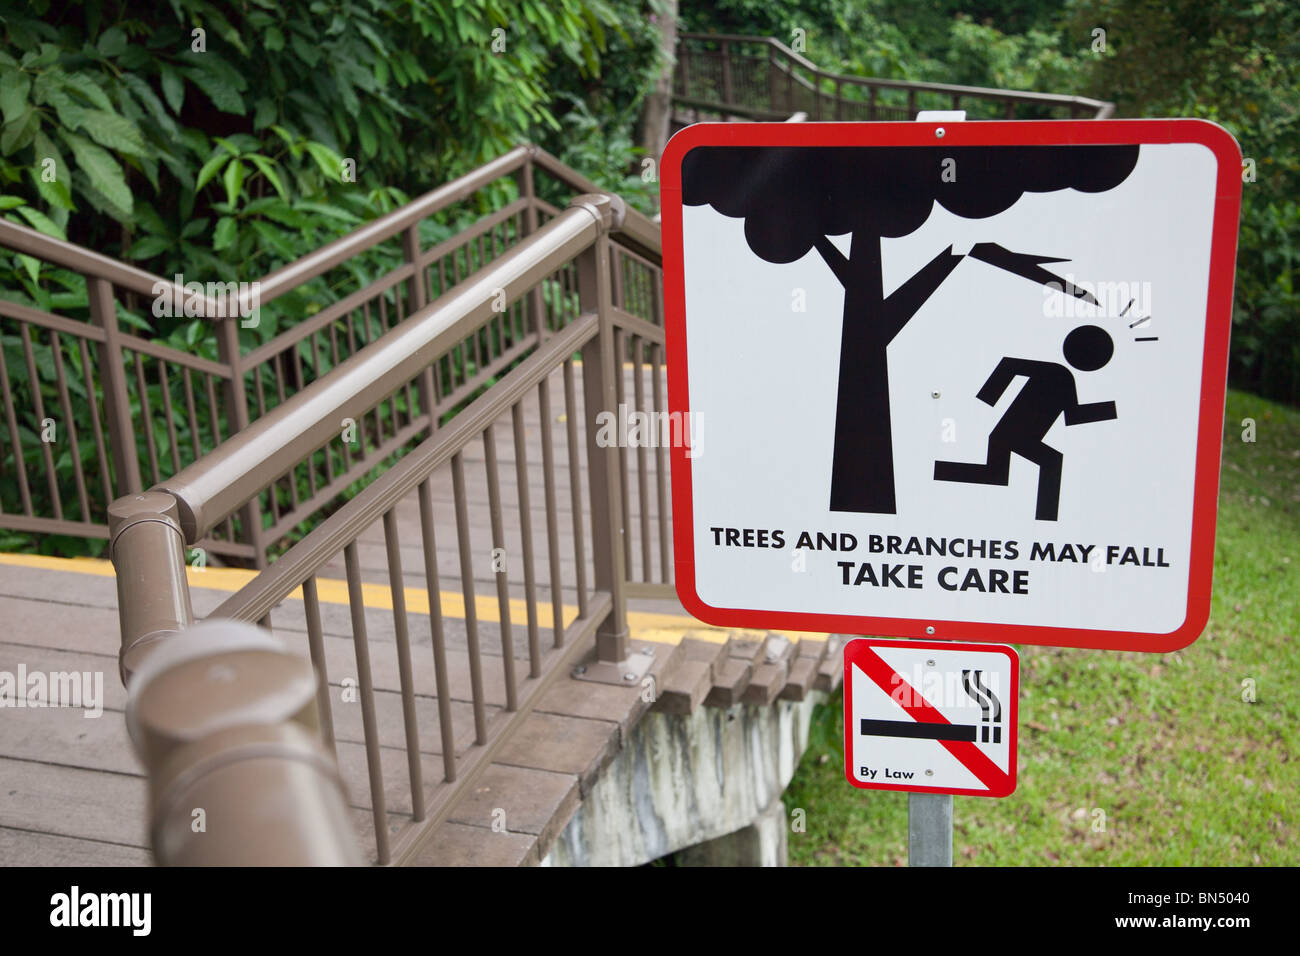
1183,768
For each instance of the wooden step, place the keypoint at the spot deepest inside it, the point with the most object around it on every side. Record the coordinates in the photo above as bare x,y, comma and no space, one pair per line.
803,670
772,670
714,652
731,683
687,687
831,671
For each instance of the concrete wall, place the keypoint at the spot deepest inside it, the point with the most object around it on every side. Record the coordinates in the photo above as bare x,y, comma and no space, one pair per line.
685,780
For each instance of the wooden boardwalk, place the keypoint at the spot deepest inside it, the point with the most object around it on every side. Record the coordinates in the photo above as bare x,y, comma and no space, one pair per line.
72,791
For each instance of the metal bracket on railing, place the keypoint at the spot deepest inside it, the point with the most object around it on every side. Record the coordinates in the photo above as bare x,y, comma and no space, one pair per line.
608,209
628,672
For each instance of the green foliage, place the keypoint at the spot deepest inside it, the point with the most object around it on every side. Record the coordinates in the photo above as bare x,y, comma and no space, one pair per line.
223,141
230,140
1238,65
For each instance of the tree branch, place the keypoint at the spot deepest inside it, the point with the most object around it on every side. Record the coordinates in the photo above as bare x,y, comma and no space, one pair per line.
905,301
834,258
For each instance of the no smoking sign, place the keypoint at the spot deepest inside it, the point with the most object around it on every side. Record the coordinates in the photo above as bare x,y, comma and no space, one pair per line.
931,716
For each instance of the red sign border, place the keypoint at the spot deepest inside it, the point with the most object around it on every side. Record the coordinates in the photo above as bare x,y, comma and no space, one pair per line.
855,647
1214,369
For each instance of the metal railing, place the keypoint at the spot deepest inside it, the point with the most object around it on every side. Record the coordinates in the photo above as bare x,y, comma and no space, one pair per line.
761,78
129,411
151,531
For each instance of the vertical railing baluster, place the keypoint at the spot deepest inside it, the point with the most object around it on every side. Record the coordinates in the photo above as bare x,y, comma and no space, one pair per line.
316,647
51,477
117,402
621,424
661,464
575,485
552,531
20,465
499,550
402,638
101,450
433,586
467,590
366,690
70,426
642,478
192,413
146,417
535,320
526,535
168,414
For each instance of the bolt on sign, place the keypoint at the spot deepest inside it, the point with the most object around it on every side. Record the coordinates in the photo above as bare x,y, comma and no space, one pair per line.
962,380
931,716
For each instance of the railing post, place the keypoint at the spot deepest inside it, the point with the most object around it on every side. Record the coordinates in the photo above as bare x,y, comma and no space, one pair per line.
147,548
223,718
771,80
599,366
911,104
417,298
726,73
817,92
250,516
117,403
839,99
528,189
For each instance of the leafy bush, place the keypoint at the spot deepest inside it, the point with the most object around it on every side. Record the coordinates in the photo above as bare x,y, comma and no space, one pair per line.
224,141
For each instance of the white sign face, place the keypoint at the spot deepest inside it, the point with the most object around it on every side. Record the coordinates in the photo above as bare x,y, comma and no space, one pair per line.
986,408
931,717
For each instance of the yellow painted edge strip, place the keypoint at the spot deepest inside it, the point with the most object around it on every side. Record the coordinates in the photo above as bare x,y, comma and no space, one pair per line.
644,625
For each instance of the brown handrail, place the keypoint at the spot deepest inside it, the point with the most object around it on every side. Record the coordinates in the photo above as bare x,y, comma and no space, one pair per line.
93,265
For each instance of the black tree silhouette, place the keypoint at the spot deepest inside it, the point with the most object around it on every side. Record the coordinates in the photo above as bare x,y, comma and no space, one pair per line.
792,198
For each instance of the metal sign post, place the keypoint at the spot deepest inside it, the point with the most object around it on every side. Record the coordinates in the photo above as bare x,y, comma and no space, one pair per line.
929,829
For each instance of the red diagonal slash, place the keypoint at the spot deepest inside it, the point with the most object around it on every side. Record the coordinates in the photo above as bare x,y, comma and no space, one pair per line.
922,711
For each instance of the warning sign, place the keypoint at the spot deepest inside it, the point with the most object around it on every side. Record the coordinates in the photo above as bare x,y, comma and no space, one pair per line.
959,380
931,717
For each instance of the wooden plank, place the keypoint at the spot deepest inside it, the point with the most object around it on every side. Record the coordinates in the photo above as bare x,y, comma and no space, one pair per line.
48,660
714,653
570,745
520,800
768,681
69,801
803,672
748,648
622,705
831,670
772,669
65,737
686,688
455,844
27,848
728,688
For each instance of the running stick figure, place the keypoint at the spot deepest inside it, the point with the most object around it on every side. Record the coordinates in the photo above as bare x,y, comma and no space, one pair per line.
1049,392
